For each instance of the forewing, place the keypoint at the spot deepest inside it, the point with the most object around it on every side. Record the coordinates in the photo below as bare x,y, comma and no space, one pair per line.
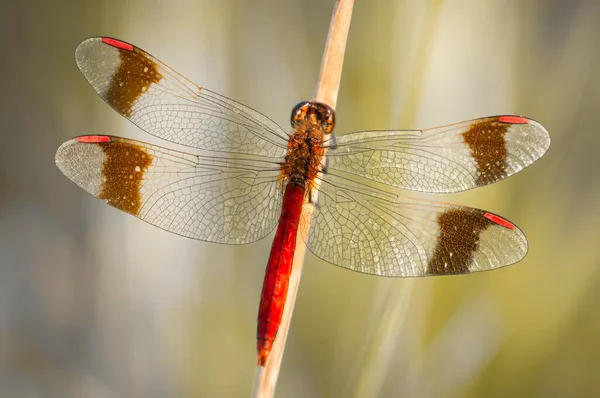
444,159
375,232
208,198
166,104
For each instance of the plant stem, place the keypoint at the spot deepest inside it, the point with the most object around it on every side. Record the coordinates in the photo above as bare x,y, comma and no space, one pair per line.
326,92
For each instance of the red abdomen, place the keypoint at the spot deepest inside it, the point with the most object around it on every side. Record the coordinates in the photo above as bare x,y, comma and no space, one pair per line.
278,271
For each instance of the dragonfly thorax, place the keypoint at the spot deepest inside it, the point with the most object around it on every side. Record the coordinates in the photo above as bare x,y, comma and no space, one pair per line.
312,121
302,162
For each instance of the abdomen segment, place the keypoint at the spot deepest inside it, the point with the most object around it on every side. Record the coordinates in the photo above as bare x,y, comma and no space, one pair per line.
277,274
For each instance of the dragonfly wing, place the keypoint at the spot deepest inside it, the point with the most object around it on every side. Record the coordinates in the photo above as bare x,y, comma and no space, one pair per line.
207,198
375,232
166,104
444,159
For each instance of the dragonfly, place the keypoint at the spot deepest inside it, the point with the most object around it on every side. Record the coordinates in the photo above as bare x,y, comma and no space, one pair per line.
246,176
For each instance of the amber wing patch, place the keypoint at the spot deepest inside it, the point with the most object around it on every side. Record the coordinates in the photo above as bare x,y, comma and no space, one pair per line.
458,240
488,147
134,76
122,175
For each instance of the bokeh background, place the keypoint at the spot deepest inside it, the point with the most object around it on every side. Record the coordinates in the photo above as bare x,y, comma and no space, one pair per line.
95,303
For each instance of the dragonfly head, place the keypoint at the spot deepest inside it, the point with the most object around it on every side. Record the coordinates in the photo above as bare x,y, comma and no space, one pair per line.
313,113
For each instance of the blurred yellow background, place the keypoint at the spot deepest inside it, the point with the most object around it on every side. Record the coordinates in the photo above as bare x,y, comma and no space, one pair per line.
95,303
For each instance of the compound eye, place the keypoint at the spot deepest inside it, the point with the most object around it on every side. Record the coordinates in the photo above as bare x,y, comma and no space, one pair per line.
299,113
329,117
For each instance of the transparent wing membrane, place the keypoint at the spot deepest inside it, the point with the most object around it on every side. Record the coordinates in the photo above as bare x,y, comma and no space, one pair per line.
444,159
201,197
167,105
375,232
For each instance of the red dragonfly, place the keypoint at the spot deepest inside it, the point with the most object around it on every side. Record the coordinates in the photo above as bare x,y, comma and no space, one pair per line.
249,173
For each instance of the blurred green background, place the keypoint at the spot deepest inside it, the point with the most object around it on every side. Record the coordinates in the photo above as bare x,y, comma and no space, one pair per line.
95,303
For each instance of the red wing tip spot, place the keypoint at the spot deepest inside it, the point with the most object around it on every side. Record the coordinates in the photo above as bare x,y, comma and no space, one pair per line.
513,119
499,220
93,139
117,43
